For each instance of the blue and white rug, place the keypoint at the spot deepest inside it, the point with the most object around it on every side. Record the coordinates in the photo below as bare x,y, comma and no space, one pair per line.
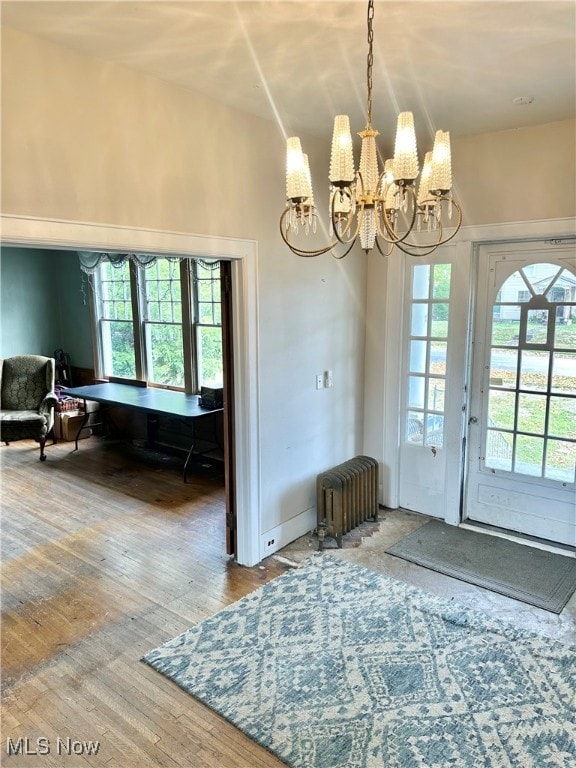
335,666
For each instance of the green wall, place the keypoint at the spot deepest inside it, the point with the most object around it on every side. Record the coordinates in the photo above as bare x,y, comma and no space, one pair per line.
44,305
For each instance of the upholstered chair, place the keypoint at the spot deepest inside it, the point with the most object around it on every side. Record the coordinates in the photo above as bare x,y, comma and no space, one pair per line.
27,399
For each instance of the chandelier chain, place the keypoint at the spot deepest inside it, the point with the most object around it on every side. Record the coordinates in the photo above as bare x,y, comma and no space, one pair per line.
369,63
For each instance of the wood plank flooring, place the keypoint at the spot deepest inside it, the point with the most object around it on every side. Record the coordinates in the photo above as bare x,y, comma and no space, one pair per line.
106,554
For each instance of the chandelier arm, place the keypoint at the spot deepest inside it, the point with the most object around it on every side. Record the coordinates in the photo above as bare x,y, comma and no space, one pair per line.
346,252
441,240
300,251
342,237
388,252
405,249
393,237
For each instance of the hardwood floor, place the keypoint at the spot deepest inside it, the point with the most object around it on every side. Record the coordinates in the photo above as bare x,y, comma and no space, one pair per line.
104,556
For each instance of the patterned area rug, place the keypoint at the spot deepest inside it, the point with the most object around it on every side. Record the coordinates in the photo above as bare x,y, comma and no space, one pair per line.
335,666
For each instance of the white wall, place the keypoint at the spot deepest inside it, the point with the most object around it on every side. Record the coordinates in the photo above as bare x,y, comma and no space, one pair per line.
87,141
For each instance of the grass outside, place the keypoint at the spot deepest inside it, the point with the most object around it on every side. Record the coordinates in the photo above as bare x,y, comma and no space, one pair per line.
532,404
531,418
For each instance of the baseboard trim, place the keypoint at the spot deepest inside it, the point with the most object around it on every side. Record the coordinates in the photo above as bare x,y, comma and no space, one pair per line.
285,533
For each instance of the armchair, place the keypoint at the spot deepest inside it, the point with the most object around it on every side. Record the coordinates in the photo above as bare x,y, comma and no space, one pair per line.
27,399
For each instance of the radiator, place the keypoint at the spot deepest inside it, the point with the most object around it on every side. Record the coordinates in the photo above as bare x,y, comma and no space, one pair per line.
347,495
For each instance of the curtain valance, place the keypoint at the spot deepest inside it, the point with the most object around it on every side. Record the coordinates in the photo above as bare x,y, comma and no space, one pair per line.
90,260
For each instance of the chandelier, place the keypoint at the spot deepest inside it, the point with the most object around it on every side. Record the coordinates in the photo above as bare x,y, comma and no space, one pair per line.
382,209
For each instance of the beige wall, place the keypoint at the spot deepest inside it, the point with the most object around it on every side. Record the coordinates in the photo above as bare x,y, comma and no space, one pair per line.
86,140
528,174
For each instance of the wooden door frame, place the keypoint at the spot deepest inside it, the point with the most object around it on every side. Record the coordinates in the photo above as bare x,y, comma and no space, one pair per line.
57,234
229,410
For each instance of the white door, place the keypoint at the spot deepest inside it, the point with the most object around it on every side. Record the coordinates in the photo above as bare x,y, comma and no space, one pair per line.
432,382
522,415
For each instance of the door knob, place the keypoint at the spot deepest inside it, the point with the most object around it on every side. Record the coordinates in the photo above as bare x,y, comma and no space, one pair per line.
472,420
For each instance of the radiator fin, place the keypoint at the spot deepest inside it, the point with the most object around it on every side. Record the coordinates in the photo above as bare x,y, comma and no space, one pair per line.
347,495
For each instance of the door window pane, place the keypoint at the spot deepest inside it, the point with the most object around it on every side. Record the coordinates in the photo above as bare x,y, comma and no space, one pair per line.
434,430
541,277
562,417
441,288
438,352
418,356
419,320
534,370
564,372
501,409
440,320
561,461
506,332
503,366
531,413
537,326
421,281
529,455
416,389
565,327
514,290
498,450
415,427
436,389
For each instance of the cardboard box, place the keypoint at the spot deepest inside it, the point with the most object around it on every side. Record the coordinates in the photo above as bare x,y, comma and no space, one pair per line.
67,424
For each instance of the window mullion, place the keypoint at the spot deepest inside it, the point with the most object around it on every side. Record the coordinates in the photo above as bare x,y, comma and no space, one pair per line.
138,314
95,304
188,330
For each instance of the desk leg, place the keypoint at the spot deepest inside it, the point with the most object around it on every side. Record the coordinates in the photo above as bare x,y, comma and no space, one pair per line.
152,423
84,422
190,452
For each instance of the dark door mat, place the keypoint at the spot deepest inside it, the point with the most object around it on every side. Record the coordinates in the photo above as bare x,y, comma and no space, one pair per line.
544,579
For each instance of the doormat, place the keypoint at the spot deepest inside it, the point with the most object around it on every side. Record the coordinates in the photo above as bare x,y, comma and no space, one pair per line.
332,665
543,579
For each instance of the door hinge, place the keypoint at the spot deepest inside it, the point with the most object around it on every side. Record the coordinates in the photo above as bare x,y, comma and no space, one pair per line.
231,521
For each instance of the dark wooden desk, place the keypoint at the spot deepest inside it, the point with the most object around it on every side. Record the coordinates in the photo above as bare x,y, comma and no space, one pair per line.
147,399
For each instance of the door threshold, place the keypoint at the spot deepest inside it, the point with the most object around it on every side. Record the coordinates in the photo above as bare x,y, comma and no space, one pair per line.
520,538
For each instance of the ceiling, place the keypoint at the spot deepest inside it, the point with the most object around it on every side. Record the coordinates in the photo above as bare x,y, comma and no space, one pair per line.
457,65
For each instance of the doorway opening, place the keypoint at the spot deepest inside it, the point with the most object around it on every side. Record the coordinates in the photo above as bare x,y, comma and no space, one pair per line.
241,255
